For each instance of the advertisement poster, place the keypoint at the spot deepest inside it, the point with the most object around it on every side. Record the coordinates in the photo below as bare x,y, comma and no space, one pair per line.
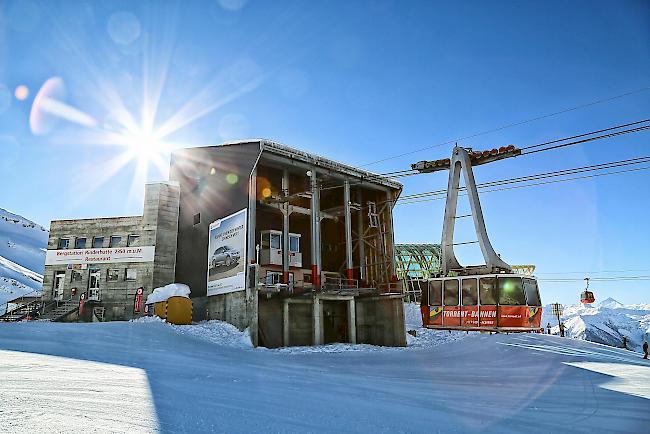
227,254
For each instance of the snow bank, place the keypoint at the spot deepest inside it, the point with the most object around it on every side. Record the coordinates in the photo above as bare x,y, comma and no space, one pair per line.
217,332
167,291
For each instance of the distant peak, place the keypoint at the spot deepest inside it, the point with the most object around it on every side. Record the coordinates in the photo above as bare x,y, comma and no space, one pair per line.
609,302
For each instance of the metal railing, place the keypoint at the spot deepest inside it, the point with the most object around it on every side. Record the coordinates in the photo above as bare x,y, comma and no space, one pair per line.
390,288
331,282
21,302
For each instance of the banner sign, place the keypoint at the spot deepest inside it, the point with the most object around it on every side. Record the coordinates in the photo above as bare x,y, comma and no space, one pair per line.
227,254
485,316
137,303
79,257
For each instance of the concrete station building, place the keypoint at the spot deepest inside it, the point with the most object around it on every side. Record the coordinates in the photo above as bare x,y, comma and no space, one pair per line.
296,247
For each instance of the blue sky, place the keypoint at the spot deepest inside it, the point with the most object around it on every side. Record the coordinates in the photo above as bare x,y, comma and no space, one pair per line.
355,81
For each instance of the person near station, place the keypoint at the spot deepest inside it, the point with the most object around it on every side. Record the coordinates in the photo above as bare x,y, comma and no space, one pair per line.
645,350
548,328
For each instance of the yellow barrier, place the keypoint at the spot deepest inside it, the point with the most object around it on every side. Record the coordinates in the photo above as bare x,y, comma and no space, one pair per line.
179,310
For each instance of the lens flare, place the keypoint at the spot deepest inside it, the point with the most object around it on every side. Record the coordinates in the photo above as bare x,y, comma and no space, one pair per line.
232,178
49,106
21,93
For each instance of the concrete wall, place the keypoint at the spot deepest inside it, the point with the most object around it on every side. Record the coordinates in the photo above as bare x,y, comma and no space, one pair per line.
229,307
380,320
377,320
207,189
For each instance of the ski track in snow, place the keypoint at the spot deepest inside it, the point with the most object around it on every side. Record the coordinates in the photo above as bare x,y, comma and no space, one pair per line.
146,376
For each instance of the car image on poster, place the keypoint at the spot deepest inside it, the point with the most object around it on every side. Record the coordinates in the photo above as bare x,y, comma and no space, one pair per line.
227,254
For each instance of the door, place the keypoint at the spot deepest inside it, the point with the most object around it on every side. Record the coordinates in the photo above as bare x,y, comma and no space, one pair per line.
59,279
93,285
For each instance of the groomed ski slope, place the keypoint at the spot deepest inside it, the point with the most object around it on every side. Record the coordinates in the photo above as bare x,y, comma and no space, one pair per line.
149,376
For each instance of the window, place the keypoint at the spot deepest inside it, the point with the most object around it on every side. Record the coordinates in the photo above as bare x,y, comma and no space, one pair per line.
532,294
112,275
470,292
133,240
98,242
64,243
306,278
294,243
75,276
131,274
80,243
274,277
488,291
451,292
276,242
93,278
115,241
197,219
435,292
511,292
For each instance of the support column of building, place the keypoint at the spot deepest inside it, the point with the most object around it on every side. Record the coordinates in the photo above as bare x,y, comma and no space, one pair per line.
285,322
251,254
285,228
317,317
348,230
392,275
352,321
315,231
362,243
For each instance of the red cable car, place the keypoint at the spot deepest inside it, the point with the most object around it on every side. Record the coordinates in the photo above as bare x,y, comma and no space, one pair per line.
587,297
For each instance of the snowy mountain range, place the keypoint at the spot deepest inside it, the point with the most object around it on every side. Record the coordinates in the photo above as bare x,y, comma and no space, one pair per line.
22,256
606,322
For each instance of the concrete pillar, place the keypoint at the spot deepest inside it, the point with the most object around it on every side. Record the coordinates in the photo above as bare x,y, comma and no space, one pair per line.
352,321
285,322
251,293
348,229
362,244
285,229
317,316
315,231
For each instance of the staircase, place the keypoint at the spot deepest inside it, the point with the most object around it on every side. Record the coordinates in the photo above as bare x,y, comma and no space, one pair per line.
56,309
21,312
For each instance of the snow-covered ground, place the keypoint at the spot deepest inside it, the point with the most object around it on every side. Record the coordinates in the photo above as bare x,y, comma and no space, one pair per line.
22,256
147,376
606,322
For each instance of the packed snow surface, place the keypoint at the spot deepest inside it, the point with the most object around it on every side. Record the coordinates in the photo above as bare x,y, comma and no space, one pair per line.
148,376
22,257
606,322
167,291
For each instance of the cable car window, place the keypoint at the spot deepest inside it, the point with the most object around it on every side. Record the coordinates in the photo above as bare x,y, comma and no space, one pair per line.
470,292
451,292
488,290
511,292
435,293
532,294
